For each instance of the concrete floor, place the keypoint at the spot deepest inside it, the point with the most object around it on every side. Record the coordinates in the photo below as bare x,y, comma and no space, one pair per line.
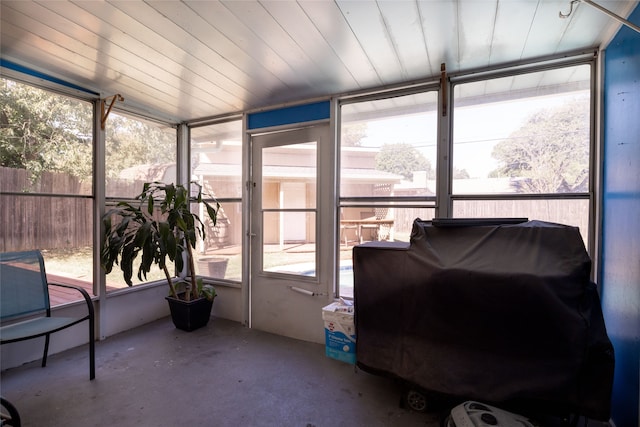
221,375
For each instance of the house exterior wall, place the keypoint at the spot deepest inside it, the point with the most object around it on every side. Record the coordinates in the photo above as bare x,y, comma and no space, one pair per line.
620,269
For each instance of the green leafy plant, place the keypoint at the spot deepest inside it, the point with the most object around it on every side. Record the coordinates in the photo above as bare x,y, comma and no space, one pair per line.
163,231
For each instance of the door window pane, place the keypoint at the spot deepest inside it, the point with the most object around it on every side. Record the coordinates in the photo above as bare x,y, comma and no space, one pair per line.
289,194
289,176
289,242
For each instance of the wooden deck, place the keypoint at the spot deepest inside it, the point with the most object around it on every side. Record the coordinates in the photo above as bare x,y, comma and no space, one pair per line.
59,295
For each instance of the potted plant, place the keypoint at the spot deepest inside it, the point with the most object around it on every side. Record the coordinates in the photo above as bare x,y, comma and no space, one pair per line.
163,231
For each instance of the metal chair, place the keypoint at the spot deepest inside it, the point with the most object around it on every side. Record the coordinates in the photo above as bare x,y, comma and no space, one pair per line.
25,310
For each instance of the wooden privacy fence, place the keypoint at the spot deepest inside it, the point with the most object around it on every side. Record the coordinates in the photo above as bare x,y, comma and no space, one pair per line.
40,221
56,210
64,218
573,212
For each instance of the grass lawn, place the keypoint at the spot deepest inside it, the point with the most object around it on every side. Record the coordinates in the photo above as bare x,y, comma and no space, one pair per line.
78,263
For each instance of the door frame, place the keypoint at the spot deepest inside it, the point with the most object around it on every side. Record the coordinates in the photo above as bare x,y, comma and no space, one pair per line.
326,223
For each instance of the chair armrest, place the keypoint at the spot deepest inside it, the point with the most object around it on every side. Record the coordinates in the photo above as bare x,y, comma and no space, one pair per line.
90,317
84,293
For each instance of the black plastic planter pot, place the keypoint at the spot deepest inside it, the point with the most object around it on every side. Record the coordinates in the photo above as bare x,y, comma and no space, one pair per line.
190,315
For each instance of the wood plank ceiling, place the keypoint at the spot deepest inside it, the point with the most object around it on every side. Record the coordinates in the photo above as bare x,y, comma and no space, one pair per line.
191,59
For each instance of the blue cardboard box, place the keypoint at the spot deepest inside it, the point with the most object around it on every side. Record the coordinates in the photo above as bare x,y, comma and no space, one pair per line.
339,332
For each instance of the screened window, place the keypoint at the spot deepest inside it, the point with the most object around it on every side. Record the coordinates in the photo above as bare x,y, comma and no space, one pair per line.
523,143
388,155
520,146
216,164
46,181
136,151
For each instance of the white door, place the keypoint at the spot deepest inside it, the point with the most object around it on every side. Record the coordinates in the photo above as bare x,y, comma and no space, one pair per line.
290,278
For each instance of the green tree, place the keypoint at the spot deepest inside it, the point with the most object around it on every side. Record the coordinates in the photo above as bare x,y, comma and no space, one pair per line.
460,173
402,159
352,134
133,142
42,131
550,152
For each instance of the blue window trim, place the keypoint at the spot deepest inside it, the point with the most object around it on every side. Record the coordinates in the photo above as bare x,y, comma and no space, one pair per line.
289,115
28,71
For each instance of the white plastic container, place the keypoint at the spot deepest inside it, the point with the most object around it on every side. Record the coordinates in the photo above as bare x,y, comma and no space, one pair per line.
339,332
476,414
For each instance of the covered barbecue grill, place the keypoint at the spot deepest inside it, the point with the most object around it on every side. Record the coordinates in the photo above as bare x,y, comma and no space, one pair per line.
495,312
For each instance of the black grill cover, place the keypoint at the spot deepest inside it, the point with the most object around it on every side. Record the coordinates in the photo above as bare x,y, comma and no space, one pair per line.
496,313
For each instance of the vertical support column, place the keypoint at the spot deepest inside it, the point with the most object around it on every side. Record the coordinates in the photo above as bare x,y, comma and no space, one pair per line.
99,196
183,155
443,190
247,200
183,171
331,181
596,181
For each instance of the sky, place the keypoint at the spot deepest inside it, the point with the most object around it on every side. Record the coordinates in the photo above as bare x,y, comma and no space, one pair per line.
477,129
